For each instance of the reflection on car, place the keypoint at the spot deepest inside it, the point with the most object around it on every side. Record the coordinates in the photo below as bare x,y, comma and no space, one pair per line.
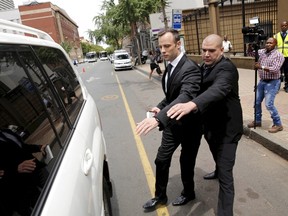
52,150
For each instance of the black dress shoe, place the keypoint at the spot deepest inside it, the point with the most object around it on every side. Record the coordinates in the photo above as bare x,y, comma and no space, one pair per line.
182,200
212,175
152,203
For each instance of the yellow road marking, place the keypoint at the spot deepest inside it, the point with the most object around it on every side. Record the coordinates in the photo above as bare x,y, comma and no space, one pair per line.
162,211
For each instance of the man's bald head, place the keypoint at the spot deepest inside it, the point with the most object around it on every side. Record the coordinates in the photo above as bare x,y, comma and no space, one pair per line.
212,49
215,39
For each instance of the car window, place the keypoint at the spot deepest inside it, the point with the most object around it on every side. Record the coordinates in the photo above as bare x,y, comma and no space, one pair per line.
63,78
40,100
122,56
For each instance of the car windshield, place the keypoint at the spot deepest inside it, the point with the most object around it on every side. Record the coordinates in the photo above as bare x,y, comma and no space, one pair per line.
122,56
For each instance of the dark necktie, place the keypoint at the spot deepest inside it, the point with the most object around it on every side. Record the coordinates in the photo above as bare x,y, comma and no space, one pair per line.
206,70
284,35
169,68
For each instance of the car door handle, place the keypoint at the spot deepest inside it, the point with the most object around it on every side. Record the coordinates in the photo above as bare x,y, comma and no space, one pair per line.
87,162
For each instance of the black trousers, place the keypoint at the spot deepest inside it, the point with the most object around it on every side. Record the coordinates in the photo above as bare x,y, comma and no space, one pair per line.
224,156
189,137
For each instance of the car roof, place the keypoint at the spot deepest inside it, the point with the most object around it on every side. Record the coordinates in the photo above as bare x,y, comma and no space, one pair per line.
15,33
120,51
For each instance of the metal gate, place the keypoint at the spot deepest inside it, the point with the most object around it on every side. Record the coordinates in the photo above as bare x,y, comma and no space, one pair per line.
233,16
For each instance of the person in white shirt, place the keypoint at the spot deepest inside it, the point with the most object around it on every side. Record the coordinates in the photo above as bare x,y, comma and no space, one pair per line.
227,46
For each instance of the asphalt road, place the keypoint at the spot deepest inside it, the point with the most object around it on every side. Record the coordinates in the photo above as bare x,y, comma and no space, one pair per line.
123,97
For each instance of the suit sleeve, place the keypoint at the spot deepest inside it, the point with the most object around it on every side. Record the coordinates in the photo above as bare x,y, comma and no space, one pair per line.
189,79
225,75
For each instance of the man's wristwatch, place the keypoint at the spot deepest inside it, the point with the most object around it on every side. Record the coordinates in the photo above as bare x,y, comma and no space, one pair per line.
263,67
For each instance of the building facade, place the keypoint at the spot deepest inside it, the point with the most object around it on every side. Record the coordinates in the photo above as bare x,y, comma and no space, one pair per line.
9,12
56,22
6,4
10,15
228,18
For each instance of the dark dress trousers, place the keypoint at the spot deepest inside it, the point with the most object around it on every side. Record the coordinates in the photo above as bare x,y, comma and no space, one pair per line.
221,111
183,86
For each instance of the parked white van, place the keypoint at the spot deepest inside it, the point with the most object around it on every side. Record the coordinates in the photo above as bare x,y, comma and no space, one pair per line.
52,150
121,60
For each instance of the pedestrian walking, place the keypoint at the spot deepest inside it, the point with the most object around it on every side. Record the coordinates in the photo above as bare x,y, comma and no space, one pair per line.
154,65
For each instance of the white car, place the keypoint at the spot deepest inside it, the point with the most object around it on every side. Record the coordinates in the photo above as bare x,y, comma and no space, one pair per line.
52,150
121,60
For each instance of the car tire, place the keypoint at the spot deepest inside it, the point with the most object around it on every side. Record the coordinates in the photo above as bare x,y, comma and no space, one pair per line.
106,198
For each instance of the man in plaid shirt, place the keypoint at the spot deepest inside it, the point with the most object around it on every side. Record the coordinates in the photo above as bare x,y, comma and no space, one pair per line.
268,66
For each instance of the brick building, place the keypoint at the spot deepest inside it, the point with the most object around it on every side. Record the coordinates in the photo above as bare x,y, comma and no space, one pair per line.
55,21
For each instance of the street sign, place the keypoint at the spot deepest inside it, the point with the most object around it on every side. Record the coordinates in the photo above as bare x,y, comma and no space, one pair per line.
177,19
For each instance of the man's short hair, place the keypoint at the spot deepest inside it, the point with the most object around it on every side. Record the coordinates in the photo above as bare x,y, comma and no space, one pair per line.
171,30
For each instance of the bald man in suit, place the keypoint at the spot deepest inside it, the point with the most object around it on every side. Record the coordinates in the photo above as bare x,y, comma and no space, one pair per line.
221,114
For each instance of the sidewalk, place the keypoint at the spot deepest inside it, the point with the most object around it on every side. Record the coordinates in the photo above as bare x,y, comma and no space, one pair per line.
278,142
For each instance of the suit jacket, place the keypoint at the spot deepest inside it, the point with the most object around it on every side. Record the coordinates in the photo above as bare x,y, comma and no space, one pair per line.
219,103
11,154
184,85
18,190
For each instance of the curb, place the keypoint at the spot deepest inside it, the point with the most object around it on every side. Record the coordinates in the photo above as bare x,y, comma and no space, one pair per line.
273,144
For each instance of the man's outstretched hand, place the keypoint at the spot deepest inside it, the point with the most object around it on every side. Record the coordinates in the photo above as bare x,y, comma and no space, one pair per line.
179,110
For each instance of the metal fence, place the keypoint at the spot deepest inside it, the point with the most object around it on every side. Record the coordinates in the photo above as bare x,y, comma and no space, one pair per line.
233,16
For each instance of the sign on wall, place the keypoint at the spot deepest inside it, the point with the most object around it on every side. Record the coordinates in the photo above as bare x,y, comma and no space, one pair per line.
177,19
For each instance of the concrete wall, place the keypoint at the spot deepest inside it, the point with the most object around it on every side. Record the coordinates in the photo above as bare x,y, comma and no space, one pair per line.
240,62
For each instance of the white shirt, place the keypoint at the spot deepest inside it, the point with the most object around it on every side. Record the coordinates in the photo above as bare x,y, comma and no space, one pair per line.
226,45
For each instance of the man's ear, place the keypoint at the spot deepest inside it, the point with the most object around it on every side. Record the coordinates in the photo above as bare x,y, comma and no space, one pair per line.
178,44
222,50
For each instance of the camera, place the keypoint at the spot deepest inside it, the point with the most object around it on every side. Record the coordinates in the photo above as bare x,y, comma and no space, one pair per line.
254,34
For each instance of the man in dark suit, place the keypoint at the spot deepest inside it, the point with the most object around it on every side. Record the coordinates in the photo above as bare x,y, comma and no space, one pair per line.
21,176
181,83
220,108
